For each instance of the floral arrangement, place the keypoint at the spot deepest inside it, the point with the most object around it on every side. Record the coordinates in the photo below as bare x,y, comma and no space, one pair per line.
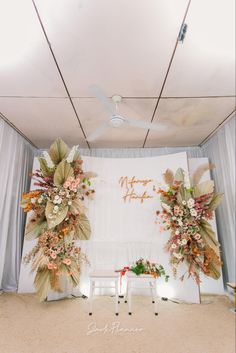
187,206
58,218
146,267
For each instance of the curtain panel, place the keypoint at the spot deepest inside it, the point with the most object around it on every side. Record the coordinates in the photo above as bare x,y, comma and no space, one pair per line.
16,158
220,150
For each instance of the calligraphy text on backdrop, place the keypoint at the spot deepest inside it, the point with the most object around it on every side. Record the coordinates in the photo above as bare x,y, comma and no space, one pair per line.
128,185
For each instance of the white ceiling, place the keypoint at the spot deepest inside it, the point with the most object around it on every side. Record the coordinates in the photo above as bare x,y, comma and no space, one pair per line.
52,51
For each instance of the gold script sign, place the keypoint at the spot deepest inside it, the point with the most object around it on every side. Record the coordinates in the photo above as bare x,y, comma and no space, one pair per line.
128,185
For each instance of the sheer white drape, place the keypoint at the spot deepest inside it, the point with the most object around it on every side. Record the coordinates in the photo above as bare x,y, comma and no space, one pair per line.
16,157
220,150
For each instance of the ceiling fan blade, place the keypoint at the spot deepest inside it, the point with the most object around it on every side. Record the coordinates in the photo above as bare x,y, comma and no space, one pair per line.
101,96
100,131
146,125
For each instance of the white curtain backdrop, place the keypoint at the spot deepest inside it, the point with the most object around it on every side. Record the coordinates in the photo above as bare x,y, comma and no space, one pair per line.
221,151
16,158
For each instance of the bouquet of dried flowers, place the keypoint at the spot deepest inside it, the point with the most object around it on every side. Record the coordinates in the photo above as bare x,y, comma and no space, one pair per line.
187,206
58,217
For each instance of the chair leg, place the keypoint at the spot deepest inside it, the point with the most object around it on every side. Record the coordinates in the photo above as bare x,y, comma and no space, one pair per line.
155,293
152,292
91,297
129,297
117,297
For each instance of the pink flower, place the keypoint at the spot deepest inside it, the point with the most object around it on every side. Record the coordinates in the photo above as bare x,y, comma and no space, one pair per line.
50,266
66,184
161,229
67,262
53,255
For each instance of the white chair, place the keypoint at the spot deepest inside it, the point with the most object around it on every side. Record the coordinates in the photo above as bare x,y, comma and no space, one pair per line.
148,280
112,280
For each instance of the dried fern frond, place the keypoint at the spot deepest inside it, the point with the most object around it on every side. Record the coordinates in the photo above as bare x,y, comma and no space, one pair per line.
197,175
168,177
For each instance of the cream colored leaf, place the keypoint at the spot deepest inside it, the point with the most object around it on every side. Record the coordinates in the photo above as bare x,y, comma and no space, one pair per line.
58,150
35,227
77,207
205,187
83,229
42,283
216,200
62,172
179,175
43,167
208,234
55,219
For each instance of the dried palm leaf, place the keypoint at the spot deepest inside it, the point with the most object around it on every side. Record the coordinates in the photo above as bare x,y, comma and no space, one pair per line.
62,172
42,283
40,260
83,229
58,150
197,175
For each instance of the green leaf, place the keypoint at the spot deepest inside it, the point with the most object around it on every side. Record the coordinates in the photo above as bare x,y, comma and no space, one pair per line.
58,150
83,229
216,200
35,227
208,233
63,171
179,175
206,187
55,219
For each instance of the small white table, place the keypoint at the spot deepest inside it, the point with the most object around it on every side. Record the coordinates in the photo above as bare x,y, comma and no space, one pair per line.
104,276
151,282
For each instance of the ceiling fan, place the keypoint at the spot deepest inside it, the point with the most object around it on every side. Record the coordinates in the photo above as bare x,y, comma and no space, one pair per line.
116,120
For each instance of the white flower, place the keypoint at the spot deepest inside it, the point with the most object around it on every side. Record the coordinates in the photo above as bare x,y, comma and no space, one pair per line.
190,203
40,200
174,246
33,200
178,255
56,197
71,155
48,160
184,202
177,232
184,242
180,222
69,202
193,212
55,209
174,218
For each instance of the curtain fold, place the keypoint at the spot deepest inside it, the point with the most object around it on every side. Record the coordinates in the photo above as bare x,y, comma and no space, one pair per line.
220,150
16,158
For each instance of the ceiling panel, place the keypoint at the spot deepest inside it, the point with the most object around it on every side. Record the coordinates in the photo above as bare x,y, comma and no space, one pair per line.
43,120
92,115
190,120
26,64
204,65
123,46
